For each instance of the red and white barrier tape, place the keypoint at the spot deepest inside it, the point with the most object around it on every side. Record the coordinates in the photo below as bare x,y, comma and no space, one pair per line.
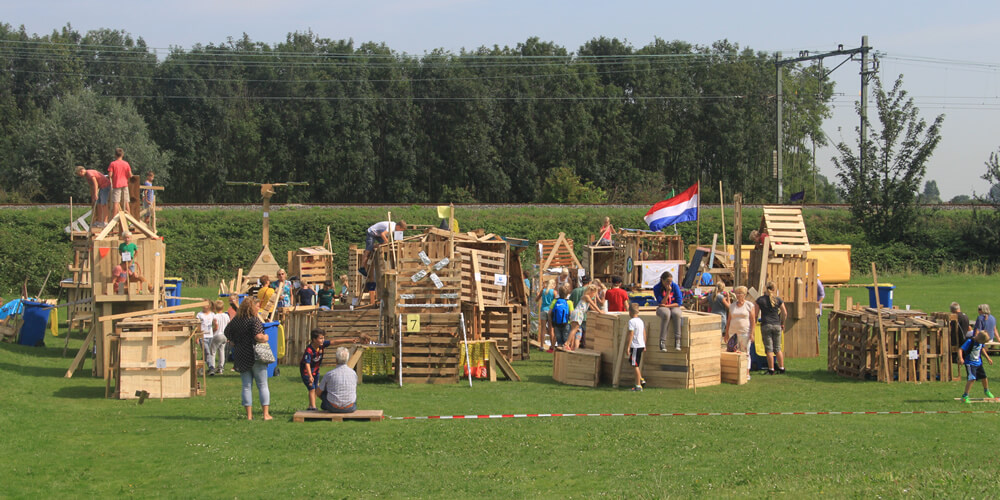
700,414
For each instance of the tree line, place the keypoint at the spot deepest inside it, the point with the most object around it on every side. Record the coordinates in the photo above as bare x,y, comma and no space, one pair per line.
610,122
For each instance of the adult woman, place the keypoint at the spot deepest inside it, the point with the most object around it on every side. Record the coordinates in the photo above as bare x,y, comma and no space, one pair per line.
740,323
244,331
771,310
546,296
720,303
668,299
283,288
986,322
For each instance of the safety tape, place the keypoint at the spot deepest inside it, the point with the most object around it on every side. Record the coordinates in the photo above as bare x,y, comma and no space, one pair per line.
699,414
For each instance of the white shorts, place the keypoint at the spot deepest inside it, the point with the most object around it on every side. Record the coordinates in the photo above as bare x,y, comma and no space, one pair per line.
119,194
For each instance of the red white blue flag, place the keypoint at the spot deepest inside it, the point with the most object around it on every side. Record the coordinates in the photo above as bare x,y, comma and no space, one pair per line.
680,208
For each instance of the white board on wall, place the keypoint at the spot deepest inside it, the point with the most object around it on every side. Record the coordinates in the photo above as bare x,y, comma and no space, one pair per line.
652,269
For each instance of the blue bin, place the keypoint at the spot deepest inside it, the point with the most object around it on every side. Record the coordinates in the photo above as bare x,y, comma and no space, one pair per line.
884,295
169,291
271,330
239,297
36,321
178,285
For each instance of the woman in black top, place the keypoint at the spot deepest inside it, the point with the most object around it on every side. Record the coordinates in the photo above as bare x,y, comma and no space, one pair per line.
771,310
244,331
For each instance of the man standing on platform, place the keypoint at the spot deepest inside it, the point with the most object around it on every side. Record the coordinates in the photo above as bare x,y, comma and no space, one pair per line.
120,172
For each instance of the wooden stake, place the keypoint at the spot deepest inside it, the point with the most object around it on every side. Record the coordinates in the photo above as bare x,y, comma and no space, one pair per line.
722,210
468,358
883,367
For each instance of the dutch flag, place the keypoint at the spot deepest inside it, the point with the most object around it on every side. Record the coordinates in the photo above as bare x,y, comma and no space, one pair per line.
680,208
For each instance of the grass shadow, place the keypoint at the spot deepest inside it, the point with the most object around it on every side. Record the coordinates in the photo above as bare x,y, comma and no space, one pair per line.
821,376
80,392
33,371
53,349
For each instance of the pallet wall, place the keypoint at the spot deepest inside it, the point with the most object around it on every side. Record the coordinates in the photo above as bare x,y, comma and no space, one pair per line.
430,354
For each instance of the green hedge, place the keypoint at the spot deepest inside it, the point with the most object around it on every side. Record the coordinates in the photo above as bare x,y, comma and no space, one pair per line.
204,246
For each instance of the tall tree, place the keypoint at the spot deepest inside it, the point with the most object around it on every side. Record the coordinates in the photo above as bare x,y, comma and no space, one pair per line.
931,193
882,190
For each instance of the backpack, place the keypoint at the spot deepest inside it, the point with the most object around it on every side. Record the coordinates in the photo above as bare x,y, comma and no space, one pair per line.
560,312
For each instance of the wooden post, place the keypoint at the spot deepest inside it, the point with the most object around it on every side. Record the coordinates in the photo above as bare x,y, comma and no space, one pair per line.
722,210
266,191
738,238
836,299
883,367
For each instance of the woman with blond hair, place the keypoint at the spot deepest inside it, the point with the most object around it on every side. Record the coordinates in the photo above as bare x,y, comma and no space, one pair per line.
741,318
772,313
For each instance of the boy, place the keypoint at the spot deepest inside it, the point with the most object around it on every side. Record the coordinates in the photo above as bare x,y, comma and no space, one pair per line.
971,355
219,339
312,358
148,196
265,293
120,172
127,251
207,319
100,190
307,296
559,318
119,276
616,297
636,342
326,296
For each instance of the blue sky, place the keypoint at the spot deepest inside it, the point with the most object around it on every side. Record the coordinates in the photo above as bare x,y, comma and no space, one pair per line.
956,31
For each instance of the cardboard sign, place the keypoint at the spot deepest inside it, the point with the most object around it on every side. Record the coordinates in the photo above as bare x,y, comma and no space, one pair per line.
500,279
413,323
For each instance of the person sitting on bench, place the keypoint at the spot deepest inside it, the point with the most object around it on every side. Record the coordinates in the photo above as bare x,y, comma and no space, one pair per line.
339,388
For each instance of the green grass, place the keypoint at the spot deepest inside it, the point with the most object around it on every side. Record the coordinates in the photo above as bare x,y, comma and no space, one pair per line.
61,437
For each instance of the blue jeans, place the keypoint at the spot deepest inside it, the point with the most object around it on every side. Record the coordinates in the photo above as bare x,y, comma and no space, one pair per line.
259,374
326,406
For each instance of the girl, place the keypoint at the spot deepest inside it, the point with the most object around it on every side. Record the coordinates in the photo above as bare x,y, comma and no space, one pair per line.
606,231
579,315
546,296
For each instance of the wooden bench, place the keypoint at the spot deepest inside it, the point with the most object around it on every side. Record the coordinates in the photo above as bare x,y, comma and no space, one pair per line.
362,415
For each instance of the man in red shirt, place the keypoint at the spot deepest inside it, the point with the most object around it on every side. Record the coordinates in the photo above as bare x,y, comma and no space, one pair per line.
617,297
120,172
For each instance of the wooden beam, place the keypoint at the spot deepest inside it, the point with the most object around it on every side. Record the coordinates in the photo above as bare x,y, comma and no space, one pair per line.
150,312
883,366
503,364
82,353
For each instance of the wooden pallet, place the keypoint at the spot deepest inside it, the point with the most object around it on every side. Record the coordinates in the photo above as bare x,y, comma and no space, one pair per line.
854,346
786,230
480,269
431,355
505,324
356,416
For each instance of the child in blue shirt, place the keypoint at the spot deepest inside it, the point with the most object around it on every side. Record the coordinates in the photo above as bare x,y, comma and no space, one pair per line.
971,355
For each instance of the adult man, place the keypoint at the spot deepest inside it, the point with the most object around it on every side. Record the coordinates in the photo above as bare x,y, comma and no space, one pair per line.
100,190
377,234
338,389
120,172
578,292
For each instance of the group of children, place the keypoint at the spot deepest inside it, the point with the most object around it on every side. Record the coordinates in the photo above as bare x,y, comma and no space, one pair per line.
214,318
291,293
111,190
564,308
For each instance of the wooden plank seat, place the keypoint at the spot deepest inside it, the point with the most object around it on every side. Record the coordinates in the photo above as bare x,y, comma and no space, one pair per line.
359,415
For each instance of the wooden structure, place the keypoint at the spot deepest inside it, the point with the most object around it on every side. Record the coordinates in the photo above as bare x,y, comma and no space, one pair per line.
429,348
630,247
357,416
782,257
265,264
78,286
137,346
735,367
917,349
580,367
311,265
507,325
417,277
697,364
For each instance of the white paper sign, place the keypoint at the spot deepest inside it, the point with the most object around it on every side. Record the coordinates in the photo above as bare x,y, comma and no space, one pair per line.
161,363
500,279
914,354
581,273
398,235
126,256
266,215
479,277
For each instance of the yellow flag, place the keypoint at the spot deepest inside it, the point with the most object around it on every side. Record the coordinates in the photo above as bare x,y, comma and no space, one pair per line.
444,212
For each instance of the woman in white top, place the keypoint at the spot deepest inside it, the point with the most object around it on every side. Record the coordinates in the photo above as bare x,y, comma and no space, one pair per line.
740,321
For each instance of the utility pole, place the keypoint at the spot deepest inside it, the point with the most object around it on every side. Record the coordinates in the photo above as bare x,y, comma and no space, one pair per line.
866,73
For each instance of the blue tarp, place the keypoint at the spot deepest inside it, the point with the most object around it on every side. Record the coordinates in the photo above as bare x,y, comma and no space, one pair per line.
12,307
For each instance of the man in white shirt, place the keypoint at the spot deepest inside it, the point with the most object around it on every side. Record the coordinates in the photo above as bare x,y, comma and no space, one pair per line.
339,387
378,234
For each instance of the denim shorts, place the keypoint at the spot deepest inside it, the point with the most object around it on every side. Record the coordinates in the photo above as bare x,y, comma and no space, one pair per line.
102,195
369,241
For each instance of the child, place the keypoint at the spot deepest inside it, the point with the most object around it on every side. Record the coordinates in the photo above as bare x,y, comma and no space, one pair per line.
636,342
312,358
971,355
559,318
616,297
120,172
218,346
563,279
100,190
119,276
579,317
345,293
606,230
127,251
326,296
307,296
265,293
207,319
546,297
148,196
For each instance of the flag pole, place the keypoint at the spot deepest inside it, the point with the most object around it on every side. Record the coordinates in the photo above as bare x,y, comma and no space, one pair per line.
697,215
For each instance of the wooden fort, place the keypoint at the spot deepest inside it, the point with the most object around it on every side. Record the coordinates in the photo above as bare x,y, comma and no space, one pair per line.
628,250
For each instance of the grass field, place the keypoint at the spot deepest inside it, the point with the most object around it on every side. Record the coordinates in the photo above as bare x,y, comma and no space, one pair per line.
61,437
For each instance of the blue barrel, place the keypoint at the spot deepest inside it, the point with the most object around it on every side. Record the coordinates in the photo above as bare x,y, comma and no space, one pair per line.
239,297
169,290
884,295
271,330
36,320
176,291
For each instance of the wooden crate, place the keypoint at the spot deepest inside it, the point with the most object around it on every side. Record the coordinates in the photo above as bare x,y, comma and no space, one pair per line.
696,364
735,367
504,324
854,338
479,271
430,355
580,367
133,363
312,265
343,323
297,322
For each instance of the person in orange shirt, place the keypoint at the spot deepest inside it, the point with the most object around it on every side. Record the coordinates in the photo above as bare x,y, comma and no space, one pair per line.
120,172
100,189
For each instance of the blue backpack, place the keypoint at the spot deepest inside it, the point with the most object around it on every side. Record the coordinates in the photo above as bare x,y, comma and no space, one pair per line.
560,312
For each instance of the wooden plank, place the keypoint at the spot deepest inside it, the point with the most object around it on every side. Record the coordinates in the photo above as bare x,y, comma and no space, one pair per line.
501,362
151,312
82,353
358,416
